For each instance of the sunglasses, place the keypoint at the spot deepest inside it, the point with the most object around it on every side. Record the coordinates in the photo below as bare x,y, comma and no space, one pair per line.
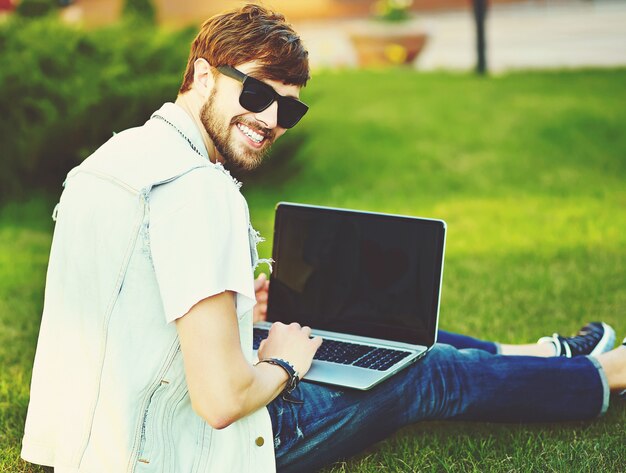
256,96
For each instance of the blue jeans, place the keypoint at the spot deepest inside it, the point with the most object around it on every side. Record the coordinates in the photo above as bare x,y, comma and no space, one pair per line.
448,383
463,341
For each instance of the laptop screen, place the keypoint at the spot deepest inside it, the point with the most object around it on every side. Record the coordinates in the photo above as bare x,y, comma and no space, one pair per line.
367,274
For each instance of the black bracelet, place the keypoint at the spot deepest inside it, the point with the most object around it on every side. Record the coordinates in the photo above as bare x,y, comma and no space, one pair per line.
294,378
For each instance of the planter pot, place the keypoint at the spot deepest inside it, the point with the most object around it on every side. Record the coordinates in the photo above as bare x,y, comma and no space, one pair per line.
384,49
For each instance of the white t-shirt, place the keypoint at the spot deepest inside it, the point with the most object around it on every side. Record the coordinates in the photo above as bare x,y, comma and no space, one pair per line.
200,210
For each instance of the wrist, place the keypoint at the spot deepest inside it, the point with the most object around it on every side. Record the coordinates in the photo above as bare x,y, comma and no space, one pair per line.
293,377
275,374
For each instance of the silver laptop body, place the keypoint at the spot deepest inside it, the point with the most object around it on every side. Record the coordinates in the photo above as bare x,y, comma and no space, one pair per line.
366,278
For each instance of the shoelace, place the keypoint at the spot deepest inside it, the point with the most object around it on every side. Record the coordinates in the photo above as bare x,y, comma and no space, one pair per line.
583,341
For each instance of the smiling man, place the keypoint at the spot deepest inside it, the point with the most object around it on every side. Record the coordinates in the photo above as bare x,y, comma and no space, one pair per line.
144,360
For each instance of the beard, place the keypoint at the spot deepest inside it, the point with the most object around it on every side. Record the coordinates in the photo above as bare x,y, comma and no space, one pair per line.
236,155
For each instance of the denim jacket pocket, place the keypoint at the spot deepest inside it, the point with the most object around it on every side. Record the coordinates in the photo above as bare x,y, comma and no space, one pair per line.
149,431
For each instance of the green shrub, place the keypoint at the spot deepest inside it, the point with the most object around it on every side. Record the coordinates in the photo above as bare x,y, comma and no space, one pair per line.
64,91
35,8
142,10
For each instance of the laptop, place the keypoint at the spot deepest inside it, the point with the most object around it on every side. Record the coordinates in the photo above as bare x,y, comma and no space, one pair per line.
368,283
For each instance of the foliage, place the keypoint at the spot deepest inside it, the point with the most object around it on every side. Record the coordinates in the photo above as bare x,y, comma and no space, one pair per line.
35,8
393,10
64,91
142,10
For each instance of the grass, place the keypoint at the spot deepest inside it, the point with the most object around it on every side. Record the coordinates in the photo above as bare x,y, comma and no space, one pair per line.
25,236
529,171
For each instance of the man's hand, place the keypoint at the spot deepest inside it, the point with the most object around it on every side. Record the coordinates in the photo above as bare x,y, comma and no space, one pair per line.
291,343
261,288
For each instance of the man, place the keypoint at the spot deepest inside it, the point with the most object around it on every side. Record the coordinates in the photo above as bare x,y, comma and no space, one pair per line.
144,360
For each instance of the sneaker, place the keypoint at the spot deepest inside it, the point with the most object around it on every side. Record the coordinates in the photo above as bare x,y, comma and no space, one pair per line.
593,339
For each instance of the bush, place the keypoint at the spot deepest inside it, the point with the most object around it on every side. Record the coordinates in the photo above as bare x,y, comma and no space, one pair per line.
35,8
142,10
64,91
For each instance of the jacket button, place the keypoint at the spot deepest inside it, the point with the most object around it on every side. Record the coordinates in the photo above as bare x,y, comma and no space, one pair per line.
259,441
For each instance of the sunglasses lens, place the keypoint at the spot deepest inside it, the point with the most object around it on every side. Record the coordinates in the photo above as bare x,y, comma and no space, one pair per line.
290,111
256,96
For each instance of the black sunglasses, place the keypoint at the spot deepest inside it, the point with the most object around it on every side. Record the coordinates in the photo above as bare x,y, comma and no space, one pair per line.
256,96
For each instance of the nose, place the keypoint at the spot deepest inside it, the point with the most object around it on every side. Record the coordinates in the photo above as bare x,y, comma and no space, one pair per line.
269,116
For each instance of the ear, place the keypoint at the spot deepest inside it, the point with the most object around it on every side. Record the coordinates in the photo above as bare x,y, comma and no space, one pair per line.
203,78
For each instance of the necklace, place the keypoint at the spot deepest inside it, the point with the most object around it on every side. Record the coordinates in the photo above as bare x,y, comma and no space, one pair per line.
193,147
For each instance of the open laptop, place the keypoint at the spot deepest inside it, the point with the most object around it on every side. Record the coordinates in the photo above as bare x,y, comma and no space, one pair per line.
368,283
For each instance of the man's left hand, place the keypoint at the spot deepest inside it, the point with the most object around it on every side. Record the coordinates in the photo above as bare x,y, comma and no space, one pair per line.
261,288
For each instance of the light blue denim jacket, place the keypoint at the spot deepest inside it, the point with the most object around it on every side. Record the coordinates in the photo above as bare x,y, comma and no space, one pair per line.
108,392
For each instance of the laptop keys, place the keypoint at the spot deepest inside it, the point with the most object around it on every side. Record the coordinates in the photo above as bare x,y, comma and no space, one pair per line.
348,353
342,352
381,359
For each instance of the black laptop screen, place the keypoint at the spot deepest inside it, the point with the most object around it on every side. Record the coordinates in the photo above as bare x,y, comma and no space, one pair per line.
367,274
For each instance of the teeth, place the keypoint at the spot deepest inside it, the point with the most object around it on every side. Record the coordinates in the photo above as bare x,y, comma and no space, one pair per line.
253,135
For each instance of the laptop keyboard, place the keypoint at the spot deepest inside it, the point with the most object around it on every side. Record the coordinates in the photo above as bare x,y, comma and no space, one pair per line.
348,353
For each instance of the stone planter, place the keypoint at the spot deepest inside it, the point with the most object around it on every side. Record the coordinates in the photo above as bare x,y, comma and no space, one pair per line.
380,44
377,51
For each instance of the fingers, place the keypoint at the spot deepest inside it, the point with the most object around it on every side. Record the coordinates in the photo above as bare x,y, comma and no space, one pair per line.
259,313
260,282
317,341
261,285
293,343
282,326
293,326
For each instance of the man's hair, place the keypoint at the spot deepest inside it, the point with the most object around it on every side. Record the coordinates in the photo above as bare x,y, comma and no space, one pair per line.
251,33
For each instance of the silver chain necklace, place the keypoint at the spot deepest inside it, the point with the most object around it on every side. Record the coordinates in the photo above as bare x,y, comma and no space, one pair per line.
193,147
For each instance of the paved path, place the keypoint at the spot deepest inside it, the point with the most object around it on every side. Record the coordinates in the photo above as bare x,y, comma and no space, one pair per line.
534,34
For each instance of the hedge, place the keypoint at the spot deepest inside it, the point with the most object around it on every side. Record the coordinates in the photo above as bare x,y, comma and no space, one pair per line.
65,90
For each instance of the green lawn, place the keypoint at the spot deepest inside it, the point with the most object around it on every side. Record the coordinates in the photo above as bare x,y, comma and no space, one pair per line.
528,170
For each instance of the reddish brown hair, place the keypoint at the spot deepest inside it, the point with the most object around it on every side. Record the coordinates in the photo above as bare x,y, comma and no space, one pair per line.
251,33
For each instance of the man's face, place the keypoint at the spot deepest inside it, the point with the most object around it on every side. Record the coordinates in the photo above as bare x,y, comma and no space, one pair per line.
242,137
